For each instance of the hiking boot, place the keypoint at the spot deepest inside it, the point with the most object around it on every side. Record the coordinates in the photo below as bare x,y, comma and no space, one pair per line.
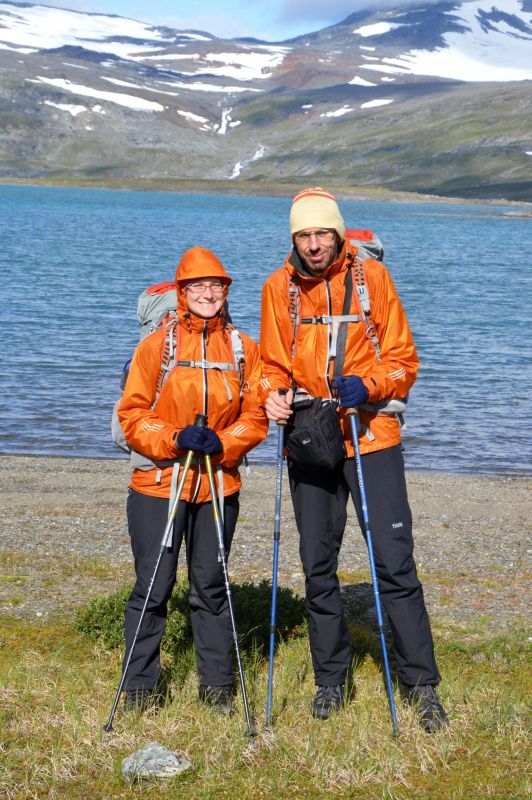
427,704
137,700
327,700
219,697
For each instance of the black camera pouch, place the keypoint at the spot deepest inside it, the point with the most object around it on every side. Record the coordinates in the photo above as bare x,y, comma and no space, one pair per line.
313,436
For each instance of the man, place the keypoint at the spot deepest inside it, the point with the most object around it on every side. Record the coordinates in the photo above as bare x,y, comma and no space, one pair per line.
299,346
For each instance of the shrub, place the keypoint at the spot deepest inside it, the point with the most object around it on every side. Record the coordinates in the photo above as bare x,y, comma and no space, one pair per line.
103,619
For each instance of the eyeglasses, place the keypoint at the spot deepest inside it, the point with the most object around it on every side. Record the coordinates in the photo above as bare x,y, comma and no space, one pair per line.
323,235
216,287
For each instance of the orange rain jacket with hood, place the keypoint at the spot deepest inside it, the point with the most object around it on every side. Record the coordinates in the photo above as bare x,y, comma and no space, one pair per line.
311,366
239,421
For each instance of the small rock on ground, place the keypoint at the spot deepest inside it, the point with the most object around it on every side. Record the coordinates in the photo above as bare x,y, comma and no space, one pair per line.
153,761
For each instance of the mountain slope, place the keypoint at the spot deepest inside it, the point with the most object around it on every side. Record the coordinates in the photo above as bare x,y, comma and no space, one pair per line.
430,99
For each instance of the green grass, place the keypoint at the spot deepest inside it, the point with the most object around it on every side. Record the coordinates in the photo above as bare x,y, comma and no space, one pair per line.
63,567
13,579
57,687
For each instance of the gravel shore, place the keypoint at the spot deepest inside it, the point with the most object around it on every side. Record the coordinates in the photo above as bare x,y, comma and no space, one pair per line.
63,539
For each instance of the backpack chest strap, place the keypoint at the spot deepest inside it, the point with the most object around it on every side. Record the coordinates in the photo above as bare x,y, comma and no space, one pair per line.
221,366
335,322
224,367
324,319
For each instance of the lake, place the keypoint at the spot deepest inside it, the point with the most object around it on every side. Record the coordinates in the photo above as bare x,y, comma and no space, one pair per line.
73,262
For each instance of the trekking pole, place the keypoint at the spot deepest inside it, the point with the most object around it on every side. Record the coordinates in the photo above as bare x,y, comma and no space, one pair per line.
275,565
165,542
353,417
223,560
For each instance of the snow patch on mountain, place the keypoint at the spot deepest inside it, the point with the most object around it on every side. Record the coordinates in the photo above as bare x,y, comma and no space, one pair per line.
338,113
239,166
192,117
224,124
172,57
241,66
73,110
376,103
44,28
492,45
128,85
377,29
127,100
199,86
357,81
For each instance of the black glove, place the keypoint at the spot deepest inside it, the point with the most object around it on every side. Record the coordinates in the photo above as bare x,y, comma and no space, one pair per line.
201,440
351,391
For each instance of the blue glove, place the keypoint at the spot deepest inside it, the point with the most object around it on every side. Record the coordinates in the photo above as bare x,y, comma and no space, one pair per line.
351,391
201,440
212,444
191,438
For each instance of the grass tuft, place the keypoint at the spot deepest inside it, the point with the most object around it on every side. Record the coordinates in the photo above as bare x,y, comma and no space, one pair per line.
57,686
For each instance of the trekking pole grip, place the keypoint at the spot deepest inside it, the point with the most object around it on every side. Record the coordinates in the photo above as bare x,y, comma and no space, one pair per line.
282,393
200,420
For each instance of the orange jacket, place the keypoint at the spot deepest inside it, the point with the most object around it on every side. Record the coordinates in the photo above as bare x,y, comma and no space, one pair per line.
311,367
187,391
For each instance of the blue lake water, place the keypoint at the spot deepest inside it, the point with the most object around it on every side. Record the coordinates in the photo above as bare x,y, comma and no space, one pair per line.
73,261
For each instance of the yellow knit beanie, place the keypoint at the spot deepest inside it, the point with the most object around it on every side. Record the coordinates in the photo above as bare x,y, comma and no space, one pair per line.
315,208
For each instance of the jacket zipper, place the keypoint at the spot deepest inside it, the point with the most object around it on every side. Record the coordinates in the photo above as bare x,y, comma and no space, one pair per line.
205,378
329,337
205,400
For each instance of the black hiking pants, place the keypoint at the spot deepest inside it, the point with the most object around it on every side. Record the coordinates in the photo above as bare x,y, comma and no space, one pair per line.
209,609
320,504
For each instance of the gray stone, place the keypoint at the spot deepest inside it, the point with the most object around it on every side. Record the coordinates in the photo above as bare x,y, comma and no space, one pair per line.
153,761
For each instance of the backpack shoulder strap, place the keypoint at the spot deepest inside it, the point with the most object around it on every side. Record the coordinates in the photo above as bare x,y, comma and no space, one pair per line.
169,351
342,328
365,303
238,354
294,305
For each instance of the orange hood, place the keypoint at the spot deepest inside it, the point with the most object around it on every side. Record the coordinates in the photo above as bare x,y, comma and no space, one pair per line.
198,263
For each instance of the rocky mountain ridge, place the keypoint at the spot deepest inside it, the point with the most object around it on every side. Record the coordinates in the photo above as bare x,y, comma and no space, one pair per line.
433,99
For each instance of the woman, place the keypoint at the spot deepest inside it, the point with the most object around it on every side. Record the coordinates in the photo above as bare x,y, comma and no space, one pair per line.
158,423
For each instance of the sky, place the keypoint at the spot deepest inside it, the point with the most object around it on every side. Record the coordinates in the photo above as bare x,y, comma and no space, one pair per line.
272,20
